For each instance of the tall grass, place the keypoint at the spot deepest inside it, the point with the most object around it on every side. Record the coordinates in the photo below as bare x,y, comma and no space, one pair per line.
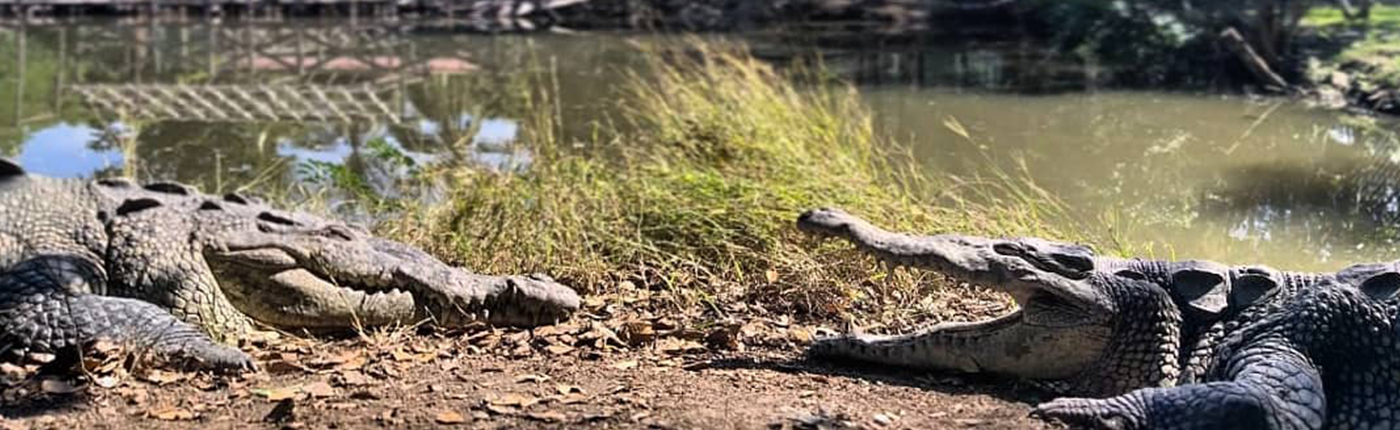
717,155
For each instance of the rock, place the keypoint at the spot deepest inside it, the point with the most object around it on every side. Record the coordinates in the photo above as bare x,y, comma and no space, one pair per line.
1340,80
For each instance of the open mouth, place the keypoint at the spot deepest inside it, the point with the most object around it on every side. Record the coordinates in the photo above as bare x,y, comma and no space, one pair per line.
1062,324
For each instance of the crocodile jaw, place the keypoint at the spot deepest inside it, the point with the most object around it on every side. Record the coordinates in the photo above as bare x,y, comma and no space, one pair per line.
318,283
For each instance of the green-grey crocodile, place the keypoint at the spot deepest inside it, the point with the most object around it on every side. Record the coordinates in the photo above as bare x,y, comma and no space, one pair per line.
1152,344
168,269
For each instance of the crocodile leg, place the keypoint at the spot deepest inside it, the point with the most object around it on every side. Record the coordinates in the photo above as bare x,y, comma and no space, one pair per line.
49,310
1275,388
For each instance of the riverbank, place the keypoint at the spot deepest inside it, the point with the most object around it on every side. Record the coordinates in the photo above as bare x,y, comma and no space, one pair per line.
699,293
1354,63
694,193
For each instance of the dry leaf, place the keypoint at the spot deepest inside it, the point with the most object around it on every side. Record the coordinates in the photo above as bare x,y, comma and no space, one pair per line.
558,349
531,378
513,399
549,416
772,276
172,413
105,346
676,346
574,398
566,389
450,417
12,372
625,364
107,381
800,335
318,389
279,394
354,378
161,377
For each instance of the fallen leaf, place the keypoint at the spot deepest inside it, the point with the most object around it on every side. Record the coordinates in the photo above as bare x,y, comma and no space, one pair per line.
12,372
161,377
637,332
574,398
772,275
800,335
625,364
675,346
566,389
41,357
279,394
559,349
285,366
450,417
500,410
513,399
548,416
172,413
318,389
354,378
531,378
107,381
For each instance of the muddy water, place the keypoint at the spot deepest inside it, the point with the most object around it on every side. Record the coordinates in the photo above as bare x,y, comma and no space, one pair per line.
295,106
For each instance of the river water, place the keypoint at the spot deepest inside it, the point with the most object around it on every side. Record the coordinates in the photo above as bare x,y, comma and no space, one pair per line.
287,105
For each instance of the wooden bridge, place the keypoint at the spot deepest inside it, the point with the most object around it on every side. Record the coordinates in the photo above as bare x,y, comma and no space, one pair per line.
472,9
320,71
233,103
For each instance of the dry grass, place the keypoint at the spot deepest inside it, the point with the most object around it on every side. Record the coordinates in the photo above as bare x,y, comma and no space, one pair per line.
698,192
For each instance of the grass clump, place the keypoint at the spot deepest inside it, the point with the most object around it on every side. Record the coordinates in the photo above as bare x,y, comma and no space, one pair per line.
717,156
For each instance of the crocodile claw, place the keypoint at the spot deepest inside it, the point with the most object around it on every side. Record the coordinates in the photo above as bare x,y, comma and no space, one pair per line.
1081,413
220,359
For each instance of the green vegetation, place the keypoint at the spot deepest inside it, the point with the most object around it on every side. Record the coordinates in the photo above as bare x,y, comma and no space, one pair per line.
698,189
1381,15
1378,55
1370,48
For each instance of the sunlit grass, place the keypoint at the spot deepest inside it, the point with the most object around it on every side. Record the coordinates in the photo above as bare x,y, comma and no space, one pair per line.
696,191
1329,16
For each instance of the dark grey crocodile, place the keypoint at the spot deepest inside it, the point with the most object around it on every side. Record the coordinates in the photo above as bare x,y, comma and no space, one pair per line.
164,267
1152,344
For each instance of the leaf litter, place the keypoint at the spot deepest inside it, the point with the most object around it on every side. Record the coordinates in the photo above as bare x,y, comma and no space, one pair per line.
617,361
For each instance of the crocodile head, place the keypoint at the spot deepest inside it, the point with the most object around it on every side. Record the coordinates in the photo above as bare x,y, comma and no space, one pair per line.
295,270
1073,305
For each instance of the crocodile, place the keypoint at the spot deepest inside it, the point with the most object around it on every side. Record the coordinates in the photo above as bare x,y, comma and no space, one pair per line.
181,275
1149,344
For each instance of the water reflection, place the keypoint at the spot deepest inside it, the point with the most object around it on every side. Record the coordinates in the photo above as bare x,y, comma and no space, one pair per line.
1213,177
63,149
239,106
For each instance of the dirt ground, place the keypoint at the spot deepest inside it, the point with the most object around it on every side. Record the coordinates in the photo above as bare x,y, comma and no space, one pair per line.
614,366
